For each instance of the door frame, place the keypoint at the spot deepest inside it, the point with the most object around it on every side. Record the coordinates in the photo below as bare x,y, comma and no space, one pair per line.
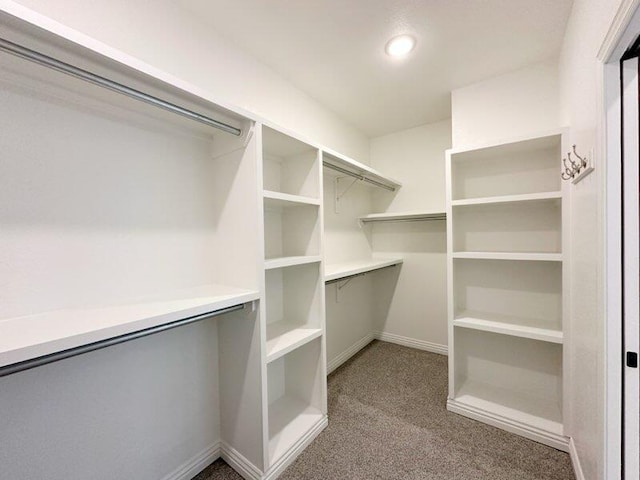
624,29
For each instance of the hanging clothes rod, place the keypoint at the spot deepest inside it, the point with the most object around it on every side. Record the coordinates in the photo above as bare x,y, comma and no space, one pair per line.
60,66
75,351
359,177
398,220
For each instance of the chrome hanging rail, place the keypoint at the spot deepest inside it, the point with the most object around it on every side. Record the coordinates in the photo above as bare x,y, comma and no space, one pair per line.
359,177
60,66
75,351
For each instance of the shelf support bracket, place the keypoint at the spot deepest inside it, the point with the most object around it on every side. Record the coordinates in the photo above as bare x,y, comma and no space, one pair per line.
338,195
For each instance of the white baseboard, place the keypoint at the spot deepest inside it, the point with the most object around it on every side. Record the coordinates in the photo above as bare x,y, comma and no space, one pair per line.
551,439
349,352
239,463
411,342
196,464
288,458
575,460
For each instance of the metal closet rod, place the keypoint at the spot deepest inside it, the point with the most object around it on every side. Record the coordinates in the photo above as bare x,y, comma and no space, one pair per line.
75,351
359,177
60,66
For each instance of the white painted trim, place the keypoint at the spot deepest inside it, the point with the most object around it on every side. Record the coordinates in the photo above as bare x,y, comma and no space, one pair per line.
349,352
575,460
611,43
525,430
412,342
239,463
287,459
195,464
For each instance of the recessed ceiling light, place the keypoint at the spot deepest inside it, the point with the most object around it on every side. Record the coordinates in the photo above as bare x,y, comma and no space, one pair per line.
400,45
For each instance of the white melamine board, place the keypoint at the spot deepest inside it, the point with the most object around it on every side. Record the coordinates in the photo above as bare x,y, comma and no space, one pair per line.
293,295
513,227
527,197
537,413
283,337
526,167
518,256
400,216
283,262
296,389
359,169
32,336
289,165
293,231
508,326
277,199
517,373
355,267
517,289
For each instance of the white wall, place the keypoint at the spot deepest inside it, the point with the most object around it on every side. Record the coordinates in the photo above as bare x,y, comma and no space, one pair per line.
515,104
579,92
411,301
178,42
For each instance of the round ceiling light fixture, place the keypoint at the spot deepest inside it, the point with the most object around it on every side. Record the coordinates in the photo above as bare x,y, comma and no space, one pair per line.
400,46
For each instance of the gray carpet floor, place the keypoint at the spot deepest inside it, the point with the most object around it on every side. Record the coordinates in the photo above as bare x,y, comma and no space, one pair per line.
388,420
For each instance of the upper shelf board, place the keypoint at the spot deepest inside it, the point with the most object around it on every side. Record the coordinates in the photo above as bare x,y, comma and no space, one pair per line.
337,271
542,257
529,197
284,200
27,337
340,165
403,216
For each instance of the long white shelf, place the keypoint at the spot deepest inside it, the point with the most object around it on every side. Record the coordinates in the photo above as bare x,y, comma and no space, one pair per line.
531,412
347,269
339,164
27,337
542,257
507,326
279,199
530,197
403,216
284,337
289,420
281,262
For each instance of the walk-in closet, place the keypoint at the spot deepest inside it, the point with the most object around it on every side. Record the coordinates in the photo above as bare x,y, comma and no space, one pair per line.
319,240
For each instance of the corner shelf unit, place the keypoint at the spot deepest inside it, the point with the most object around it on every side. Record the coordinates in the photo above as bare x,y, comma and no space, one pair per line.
506,240
293,309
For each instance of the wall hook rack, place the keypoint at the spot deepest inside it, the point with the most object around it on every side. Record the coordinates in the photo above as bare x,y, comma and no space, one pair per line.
576,170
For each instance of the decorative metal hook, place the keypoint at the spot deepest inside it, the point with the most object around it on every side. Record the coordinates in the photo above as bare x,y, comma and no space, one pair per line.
583,161
575,170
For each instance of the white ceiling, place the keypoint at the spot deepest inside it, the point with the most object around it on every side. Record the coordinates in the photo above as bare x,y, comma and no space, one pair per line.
334,49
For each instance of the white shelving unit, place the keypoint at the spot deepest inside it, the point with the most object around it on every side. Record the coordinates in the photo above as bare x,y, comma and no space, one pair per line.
506,227
294,297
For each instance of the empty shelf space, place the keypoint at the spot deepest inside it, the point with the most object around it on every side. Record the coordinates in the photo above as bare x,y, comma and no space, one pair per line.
403,216
281,262
289,420
33,336
337,164
347,269
284,200
533,412
283,337
506,325
529,197
542,257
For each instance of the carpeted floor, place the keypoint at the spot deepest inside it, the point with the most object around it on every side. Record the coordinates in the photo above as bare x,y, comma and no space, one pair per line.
387,420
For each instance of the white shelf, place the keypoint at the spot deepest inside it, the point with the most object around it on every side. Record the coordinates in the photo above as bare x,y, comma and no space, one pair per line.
285,200
529,197
541,257
289,420
281,262
506,325
348,166
535,413
284,337
346,269
27,337
403,216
